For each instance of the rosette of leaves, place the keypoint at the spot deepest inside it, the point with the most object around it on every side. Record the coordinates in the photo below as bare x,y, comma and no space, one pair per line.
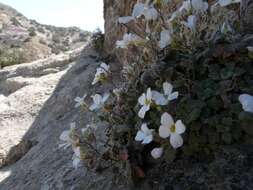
209,86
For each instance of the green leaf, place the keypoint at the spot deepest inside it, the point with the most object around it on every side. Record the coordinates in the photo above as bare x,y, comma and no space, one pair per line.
228,121
226,73
214,72
227,138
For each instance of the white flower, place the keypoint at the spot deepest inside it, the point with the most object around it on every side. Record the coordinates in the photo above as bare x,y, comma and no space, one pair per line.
80,101
138,10
191,22
247,102
157,153
165,39
128,38
185,6
225,28
76,157
173,130
224,3
102,73
168,88
117,91
159,98
250,49
168,95
105,67
98,101
199,5
149,12
145,100
125,19
66,137
145,134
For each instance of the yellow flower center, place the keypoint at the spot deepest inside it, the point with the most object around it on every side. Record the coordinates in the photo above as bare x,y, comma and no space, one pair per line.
148,102
173,128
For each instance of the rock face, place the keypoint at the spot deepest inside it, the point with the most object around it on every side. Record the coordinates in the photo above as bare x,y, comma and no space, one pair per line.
37,104
23,40
23,91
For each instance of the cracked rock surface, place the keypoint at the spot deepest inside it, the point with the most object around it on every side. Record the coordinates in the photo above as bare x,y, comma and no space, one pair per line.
34,110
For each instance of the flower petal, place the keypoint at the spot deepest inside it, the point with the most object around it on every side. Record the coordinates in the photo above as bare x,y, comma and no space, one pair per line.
167,88
250,49
185,6
199,5
165,39
125,19
150,13
105,97
65,135
157,153
224,3
164,131
72,126
159,98
167,120
140,136
145,128
77,105
84,96
105,66
76,162
180,127
142,99
77,152
138,9
78,99
191,22
147,139
173,96
176,140
93,107
97,98
149,94
143,111
247,102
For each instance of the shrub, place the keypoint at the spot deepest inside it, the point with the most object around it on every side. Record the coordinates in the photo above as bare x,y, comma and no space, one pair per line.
32,31
10,57
97,39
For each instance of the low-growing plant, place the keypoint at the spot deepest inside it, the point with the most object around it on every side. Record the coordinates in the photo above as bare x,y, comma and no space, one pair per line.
97,39
10,57
186,88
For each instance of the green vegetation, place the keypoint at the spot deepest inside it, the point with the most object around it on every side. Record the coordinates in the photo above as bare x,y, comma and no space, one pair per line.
98,40
10,57
32,31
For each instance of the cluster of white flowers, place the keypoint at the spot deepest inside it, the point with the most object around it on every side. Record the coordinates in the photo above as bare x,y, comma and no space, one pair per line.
140,9
102,73
99,101
149,13
80,101
68,137
168,128
128,39
192,11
